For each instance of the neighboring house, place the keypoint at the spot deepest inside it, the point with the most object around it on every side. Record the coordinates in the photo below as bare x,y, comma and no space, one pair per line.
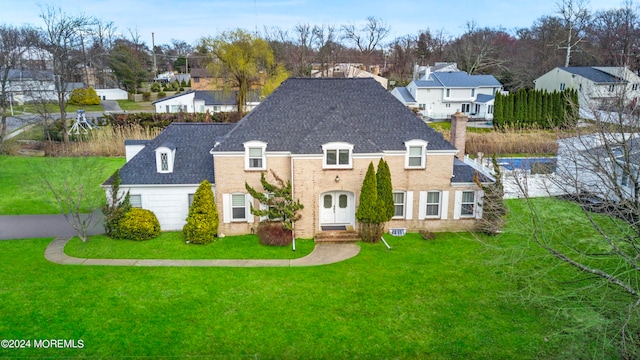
440,94
350,71
25,86
112,94
321,135
598,87
201,101
422,72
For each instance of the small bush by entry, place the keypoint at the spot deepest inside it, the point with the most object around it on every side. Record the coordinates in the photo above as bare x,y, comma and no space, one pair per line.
273,234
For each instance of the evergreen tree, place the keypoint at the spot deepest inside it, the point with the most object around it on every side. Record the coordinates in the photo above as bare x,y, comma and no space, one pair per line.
202,221
531,107
498,111
493,207
369,212
277,201
117,205
385,189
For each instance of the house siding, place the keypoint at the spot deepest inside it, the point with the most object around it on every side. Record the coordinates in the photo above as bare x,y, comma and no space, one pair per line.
310,181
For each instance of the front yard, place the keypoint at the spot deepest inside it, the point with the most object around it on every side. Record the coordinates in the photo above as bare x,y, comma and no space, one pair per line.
457,296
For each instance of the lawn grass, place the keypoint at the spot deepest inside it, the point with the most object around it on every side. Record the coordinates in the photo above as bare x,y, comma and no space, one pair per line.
25,192
130,105
171,245
422,299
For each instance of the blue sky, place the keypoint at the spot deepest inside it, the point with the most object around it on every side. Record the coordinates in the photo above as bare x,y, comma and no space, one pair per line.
190,20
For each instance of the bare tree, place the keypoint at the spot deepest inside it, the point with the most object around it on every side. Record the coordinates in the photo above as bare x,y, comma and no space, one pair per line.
328,45
64,38
599,167
479,50
70,183
615,34
15,42
575,17
367,37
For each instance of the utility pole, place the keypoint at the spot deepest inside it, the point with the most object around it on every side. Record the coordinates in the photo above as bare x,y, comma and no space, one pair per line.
153,49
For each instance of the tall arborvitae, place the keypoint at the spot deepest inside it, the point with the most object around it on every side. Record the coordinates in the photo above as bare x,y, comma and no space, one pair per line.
385,189
498,111
202,221
369,213
531,107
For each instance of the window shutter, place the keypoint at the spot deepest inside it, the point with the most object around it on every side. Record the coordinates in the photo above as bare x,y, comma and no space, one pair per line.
408,206
444,205
457,205
478,207
422,206
264,207
249,214
226,208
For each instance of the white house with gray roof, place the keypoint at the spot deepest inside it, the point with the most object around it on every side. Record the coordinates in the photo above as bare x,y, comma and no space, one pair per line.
201,101
440,94
321,135
598,87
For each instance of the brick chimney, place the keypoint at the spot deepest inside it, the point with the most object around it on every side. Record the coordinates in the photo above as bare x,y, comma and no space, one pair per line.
459,132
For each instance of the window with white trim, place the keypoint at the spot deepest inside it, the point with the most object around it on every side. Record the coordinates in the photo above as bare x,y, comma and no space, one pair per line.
563,86
468,204
135,201
490,109
337,155
255,158
416,154
238,207
165,157
433,202
399,201
190,199
473,92
448,93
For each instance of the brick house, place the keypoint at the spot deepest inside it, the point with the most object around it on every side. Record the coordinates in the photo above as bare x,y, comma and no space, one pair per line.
321,134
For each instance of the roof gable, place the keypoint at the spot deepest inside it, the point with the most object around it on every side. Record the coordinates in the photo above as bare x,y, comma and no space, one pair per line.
304,113
192,164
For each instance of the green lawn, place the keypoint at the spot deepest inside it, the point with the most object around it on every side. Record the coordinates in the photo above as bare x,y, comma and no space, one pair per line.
24,190
171,245
459,296
132,105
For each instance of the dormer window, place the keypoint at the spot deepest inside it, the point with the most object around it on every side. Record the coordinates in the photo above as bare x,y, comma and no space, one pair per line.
337,155
254,155
165,156
416,154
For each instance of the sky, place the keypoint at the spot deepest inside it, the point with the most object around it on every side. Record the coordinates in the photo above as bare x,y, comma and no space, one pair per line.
190,20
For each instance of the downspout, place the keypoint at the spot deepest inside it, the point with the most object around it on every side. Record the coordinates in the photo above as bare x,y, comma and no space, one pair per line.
293,224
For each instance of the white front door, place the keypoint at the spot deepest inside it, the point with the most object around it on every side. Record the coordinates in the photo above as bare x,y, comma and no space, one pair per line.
337,207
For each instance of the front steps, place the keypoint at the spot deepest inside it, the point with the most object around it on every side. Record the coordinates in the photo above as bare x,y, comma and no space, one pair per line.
339,236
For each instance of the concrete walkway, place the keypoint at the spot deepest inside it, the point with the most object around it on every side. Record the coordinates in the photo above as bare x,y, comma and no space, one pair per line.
322,254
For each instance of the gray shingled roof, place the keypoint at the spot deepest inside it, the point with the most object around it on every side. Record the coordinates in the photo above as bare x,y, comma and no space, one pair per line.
304,113
593,74
464,173
192,164
458,79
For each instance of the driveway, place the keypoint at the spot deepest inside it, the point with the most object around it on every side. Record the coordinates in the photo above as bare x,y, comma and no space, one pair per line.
39,226
110,106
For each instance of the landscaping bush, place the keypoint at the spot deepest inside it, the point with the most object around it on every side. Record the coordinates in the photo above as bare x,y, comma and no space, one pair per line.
146,96
161,94
274,234
202,221
84,96
138,224
156,87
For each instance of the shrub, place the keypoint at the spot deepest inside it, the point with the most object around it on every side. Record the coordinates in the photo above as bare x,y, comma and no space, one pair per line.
117,206
274,234
202,221
84,96
146,96
155,87
138,224
161,94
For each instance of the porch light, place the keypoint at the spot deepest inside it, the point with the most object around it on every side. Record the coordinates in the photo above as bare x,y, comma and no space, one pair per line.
337,178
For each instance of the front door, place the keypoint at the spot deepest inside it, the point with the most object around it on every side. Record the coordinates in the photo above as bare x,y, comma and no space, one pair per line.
336,207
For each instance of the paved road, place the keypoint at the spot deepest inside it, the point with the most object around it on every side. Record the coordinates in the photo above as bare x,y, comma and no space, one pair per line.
38,226
110,106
